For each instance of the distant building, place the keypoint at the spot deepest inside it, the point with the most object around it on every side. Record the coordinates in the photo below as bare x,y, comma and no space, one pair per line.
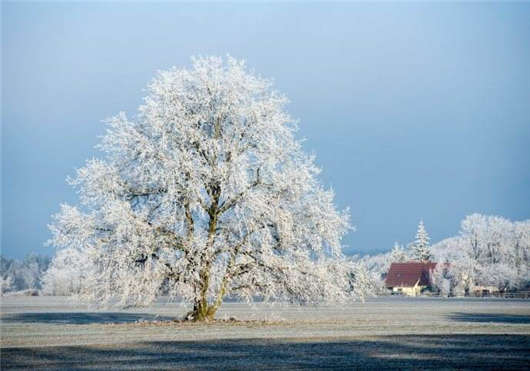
409,278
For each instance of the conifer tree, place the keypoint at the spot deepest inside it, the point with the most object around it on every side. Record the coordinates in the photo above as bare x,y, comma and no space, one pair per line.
421,249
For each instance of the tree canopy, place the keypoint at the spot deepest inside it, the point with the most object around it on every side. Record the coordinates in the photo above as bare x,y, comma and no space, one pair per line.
421,249
206,193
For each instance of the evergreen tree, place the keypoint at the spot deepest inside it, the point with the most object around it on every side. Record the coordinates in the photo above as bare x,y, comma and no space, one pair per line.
421,249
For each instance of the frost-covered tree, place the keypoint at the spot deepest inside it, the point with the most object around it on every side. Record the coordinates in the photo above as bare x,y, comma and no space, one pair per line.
500,249
489,251
458,266
442,279
521,251
421,249
68,271
206,194
25,274
361,281
398,254
6,284
377,267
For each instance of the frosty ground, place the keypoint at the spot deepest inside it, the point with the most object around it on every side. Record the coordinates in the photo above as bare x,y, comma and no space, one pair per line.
53,332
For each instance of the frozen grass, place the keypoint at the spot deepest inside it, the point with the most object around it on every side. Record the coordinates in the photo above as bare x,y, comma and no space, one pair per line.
392,332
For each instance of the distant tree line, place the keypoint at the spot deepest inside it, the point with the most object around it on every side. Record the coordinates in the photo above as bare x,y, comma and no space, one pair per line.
488,251
70,270
39,274
25,274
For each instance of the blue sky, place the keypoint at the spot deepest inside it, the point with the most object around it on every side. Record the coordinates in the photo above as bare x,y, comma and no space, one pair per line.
413,110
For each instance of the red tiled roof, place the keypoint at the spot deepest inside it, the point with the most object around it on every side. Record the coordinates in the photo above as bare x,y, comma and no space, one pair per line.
407,274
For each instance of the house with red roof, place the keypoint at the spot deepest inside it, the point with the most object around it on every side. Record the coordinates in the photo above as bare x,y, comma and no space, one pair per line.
409,278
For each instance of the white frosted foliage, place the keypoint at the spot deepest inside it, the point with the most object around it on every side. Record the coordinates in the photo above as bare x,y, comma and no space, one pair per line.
206,194
421,249
398,253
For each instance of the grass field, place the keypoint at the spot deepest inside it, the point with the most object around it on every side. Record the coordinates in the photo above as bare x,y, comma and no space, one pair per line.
392,332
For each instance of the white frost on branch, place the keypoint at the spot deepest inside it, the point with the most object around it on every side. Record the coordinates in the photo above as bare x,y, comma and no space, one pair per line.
206,194
68,271
420,249
398,254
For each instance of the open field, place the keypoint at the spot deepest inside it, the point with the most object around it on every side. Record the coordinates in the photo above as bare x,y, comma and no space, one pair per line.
53,333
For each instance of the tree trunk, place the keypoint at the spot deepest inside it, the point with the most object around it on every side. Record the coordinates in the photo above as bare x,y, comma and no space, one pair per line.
202,311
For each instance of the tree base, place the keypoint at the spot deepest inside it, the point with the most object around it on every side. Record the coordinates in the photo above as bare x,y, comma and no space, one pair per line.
201,314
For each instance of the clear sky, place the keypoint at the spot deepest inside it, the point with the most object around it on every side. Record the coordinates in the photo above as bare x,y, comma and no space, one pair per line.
413,110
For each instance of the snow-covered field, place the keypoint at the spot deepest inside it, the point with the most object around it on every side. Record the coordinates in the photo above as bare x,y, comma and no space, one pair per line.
53,332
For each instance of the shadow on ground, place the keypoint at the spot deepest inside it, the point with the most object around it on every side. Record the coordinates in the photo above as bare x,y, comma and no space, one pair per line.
81,318
490,317
387,352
